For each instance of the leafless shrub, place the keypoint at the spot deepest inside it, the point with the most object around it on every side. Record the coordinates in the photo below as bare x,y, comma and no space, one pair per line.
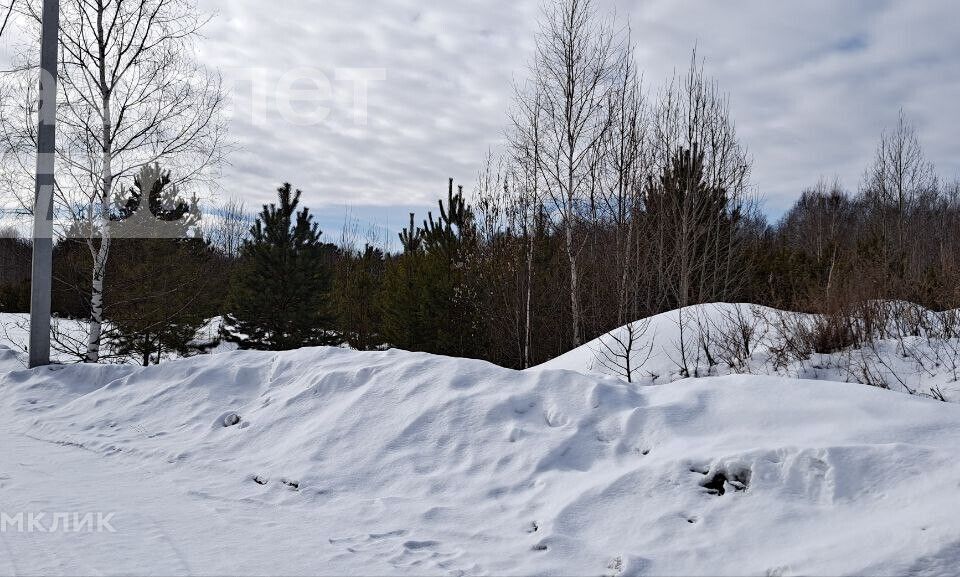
624,352
834,332
688,349
866,367
790,342
737,335
706,341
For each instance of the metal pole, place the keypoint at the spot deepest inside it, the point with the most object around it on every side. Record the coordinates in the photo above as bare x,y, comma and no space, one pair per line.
41,283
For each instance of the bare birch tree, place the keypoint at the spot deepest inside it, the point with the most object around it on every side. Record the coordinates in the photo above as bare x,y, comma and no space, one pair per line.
131,95
229,226
573,71
695,208
527,208
899,179
626,166
692,116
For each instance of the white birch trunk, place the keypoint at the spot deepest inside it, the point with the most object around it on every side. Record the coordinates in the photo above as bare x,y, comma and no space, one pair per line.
100,260
96,298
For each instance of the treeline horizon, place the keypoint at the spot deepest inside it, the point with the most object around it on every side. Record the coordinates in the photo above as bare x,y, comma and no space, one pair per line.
606,205
466,292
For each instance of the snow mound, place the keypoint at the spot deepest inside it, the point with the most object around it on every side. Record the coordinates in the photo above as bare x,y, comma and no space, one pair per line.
410,463
724,338
657,351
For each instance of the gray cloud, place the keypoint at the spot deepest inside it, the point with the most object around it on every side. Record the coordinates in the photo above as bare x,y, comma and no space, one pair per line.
448,72
812,85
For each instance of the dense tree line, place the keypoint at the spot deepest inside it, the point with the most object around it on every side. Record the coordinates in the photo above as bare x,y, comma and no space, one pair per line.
607,205
482,278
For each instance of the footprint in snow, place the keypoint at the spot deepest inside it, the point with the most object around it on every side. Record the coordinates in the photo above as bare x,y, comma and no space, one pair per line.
230,419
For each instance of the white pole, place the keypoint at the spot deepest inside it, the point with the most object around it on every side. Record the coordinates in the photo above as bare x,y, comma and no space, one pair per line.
41,283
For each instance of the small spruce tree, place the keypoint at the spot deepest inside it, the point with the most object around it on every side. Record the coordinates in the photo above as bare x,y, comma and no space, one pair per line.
279,299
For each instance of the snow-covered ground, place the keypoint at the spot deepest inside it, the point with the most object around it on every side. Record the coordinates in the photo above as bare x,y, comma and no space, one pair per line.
709,340
330,461
15,334
745,338
69,337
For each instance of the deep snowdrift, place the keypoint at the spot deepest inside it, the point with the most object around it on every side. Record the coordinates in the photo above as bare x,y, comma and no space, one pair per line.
396,462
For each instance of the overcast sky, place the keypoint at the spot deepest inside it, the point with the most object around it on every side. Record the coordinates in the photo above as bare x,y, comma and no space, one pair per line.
812,84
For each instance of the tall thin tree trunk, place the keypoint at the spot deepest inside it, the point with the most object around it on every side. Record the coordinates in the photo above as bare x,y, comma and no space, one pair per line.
96,298
571,250
103,253
574,285
529,299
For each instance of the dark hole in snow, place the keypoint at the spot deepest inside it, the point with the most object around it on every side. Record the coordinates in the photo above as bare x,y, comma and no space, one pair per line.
539,547
533,528
231,420
259,480
292,484
716,484
645,452
721,481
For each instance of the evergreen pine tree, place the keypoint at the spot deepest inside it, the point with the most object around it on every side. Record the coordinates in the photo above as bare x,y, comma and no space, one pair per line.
430,300
403,310
279,297
450,243
158,299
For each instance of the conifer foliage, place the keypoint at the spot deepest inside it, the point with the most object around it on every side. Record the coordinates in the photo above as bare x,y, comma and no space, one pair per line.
279,296
430,297
160,272
164,204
